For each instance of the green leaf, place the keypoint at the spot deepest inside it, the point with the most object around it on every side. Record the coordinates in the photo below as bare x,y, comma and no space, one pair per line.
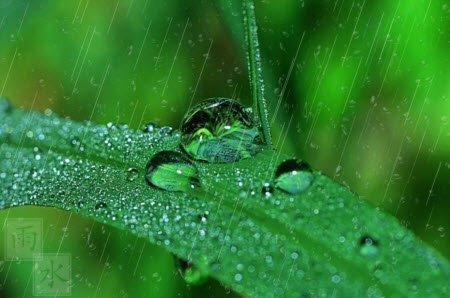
324,241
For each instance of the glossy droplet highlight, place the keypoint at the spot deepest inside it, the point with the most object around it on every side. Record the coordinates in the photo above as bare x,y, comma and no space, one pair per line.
219,130
368,247
293,176
172,171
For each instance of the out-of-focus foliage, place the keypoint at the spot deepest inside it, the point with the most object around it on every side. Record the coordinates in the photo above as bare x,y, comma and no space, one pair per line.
365,100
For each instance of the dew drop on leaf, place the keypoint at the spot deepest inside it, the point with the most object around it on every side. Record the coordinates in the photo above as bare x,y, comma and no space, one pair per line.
5,105
191,273
267,189
165,131
100,205
219,130
132,174
368,247
150,127
293,176
172,171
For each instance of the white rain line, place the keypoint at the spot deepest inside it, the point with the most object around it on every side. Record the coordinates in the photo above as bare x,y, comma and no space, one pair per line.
64,232
9,71
389,31
426,12
142,46
139,259
340,9
1,23
129,8
98,96
394,167
423,105
200,76
287,79
350,11
345,146
76,12
406,44
412,170
104,247
313,126
84,12
163,42
23,18
101,276
145,7
374,39
335,5
432,185
79,54
175,58
353,33
351,87
112,18
438,138
412,101
429,218
389,66
82,62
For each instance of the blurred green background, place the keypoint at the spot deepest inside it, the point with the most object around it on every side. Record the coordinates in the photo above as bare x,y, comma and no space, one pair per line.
360,89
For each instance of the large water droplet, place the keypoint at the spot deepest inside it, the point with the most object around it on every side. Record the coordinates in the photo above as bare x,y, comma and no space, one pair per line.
219,130
368,247
191,274
172,171
293,176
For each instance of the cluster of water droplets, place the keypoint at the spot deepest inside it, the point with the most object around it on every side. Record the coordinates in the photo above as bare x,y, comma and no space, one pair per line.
218,130
92,186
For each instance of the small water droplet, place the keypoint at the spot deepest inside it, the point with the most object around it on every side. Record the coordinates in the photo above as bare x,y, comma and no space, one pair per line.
172,171
191,273
293,176
132,174
165,131
76,143
219,130
267,189
100,205
368,247
5,105
150,127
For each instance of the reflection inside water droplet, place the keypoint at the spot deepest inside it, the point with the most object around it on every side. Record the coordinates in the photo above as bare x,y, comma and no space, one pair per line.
172,171
293,176
368,247
219,130
191,273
